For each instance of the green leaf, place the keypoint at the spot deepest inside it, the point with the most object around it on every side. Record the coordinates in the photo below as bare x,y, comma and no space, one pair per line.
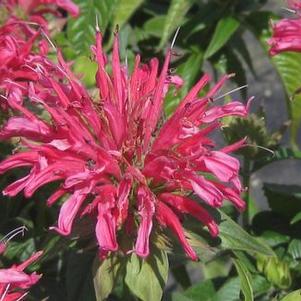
277,195
245,280
202,291
260,284
81,31
174,18
124,10
225,28
146,278
154,26
296,218
235,238
294,248
229,291
293,296
79,277
105,274
83,66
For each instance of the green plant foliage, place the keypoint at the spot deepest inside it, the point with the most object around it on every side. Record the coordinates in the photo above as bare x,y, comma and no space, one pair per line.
105,276
225,28
236,238
146,278
293,296
174,18
245,280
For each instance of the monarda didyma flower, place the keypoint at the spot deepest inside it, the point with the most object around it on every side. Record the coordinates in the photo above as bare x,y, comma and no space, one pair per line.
287,32
117,160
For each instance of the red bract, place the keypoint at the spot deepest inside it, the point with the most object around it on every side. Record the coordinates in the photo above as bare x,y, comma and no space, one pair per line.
287,32
115,162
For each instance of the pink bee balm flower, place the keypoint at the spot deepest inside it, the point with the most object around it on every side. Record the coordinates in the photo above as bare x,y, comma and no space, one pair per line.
287,32
39,7
14,282
114,161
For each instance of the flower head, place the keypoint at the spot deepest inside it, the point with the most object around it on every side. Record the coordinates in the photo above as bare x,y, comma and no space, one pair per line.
114,160
287,32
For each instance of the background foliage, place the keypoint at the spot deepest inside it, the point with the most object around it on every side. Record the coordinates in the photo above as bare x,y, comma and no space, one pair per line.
257,256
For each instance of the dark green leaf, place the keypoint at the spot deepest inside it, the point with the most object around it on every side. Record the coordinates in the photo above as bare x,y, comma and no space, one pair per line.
229,291
296,218
278,195
146,278
202,291
245,280
225,28
154,26
260,284
235,238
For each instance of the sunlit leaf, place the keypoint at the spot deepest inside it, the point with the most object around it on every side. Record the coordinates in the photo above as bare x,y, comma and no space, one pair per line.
225,28
146,278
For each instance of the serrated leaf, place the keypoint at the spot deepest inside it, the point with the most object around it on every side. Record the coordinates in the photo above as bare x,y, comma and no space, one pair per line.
174,18
245,280
146,278
224,30
105,274
293,296
124,10
236,238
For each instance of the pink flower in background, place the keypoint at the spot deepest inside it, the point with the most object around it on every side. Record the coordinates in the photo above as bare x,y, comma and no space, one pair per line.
40,7
287,32
14,282
117,160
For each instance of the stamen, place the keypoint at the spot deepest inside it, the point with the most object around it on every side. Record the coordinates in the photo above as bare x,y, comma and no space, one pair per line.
230,92
174,38
97,23
9,236
24,295
48,39
5,292
262,147
289,10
